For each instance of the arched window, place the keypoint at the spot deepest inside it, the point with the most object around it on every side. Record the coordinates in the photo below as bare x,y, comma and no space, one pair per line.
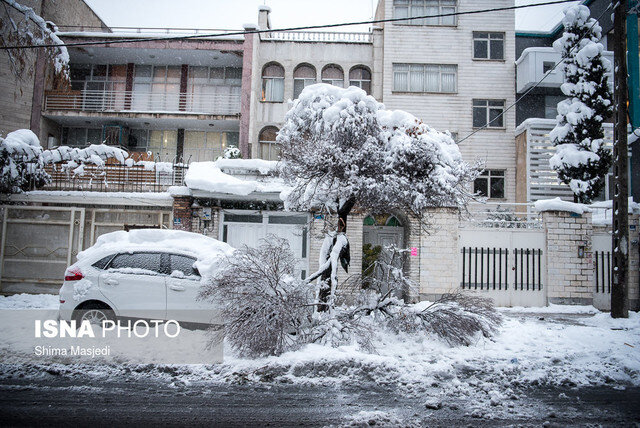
269,149
333,75
303,75
361,77
273,83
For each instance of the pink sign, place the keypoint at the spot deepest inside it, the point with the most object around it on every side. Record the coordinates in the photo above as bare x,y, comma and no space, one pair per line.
414,251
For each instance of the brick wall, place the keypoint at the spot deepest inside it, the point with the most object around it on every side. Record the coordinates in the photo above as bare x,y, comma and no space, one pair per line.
569,277
182,212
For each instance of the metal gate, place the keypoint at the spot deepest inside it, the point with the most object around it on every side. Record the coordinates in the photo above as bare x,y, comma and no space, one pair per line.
38,243
506,265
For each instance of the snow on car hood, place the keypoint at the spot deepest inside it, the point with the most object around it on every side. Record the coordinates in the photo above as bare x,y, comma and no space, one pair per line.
206,250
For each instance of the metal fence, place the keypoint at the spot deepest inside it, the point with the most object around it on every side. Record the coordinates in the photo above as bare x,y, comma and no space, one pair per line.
602,271
112,101
489,268
150,177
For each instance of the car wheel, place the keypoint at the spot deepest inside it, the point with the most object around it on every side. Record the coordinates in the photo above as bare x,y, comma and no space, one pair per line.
94,313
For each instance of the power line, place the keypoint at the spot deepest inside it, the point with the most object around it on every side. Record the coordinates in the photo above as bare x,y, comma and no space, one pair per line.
309,27
531,88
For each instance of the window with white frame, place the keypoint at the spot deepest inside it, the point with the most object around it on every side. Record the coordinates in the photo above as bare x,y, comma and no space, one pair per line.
425,78
333,75
361,77
488,45
81,137
488,113
490,184
273,83
416,8
304,75
269,149
200,146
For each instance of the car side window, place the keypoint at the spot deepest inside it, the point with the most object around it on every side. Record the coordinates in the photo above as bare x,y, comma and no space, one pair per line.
137,263
102,263
183,265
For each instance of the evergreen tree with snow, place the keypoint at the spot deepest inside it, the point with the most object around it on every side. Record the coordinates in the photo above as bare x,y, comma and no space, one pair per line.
21,162
581,160
341,149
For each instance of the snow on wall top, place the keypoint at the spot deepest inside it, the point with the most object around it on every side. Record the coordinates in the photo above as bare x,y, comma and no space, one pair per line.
207,250
558,204
210,177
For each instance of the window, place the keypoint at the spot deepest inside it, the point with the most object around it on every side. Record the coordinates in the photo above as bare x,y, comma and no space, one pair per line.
102,263
333,75
547,66
413,8
360,77
200,146
304,75
488,45
425,78
81,137
490,184
163,145
137,263
551,105
488,113
156,87
269,149
184,265
273,83
212,88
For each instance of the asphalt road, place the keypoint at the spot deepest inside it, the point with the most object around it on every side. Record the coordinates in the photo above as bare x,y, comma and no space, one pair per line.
51,400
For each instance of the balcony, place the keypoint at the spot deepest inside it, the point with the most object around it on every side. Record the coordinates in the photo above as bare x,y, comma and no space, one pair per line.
534,63
222,102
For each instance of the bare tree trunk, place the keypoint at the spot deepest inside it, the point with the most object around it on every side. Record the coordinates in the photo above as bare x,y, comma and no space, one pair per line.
325,278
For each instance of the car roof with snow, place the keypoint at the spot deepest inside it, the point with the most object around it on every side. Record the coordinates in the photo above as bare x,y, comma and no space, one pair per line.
205,249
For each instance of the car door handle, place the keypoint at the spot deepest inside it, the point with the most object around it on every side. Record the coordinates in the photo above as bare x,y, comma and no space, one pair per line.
176,287
111,281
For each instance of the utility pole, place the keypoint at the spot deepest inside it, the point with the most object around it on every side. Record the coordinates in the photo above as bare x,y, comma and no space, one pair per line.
620,286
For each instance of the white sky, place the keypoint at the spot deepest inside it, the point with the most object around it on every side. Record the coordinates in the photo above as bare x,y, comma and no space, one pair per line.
232,14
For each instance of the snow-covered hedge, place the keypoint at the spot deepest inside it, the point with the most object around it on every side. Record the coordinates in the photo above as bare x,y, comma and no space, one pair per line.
21,162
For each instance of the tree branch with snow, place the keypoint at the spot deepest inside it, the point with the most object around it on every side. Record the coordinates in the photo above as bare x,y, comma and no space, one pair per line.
22,26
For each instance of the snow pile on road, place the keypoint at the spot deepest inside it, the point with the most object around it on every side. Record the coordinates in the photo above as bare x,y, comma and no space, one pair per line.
207,250
559,350
553,309
557,204
210,177
29,301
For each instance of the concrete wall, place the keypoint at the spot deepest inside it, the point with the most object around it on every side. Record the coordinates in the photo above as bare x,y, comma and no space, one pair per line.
439,254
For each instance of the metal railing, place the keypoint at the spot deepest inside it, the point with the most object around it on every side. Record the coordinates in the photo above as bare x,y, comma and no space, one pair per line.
150,177
502,215
318,36
92,100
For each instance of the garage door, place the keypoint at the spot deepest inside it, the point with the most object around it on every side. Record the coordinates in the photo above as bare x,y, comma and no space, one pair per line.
241,228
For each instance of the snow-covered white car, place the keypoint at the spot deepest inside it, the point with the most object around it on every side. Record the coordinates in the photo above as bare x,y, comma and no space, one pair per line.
143,274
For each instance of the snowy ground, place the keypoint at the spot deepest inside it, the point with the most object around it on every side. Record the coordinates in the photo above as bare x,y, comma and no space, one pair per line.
559,347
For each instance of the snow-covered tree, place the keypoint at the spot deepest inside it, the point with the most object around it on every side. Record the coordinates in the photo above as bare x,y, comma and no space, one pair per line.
21,162
22,26
580,160
340,149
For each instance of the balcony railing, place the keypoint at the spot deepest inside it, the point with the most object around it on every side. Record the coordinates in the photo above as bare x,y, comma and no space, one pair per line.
319,36
132,101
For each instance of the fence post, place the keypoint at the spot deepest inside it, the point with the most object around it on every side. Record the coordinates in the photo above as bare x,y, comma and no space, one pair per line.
569,257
